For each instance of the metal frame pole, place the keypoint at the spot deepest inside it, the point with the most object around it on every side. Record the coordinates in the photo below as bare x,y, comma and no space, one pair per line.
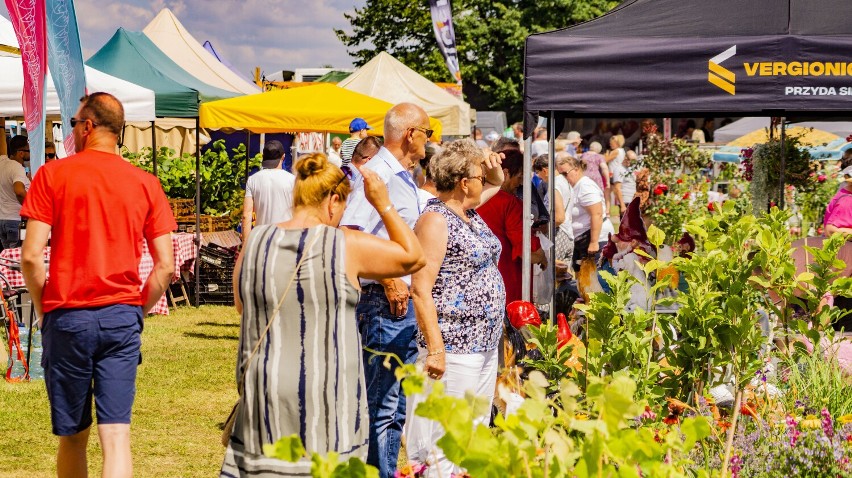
551,225
783,162
526,271
197,210
154,146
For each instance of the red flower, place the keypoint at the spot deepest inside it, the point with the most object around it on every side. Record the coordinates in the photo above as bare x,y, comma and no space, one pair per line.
686,195
821,178
747,409
662,211
711,207
671,420
849,138
680,181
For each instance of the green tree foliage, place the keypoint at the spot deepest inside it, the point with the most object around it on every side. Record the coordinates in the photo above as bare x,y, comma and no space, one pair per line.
490,38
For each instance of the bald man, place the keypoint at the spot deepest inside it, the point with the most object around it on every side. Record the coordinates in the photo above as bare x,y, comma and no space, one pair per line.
387,322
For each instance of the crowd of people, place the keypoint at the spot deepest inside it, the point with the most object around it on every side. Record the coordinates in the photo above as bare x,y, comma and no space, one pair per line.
447,222
374,255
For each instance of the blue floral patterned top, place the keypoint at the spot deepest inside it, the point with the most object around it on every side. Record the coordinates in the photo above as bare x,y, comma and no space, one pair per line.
469,293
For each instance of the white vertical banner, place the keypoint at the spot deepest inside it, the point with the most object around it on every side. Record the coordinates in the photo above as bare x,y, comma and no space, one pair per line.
442,24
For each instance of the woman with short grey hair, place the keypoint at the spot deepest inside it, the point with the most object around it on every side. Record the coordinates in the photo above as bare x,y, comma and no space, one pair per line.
460,296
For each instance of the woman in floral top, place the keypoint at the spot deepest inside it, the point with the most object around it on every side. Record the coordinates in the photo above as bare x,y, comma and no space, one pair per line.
459,296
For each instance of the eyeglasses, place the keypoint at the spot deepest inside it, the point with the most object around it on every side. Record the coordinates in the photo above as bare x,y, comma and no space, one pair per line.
427,132
347,174
50,155
480,178
75,121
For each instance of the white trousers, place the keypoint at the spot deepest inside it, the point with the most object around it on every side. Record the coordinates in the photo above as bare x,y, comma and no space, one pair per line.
476,373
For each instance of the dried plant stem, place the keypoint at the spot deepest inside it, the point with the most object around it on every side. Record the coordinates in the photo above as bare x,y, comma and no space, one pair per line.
731,431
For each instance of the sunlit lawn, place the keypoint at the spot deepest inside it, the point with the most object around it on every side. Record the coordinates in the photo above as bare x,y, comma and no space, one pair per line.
185,389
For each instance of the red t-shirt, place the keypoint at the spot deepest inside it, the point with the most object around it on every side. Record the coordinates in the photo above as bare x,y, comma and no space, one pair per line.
504,214
99,207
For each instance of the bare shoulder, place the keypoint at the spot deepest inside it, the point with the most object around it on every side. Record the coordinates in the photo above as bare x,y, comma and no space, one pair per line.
431,225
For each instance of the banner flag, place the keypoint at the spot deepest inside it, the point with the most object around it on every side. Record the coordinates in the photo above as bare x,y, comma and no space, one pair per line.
65,58
27,17
442,24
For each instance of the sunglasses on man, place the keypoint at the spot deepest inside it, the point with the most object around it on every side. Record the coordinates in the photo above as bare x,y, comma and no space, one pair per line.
427,132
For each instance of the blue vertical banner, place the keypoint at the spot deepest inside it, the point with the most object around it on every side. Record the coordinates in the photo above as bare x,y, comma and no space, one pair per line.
65,59
442,24
27,17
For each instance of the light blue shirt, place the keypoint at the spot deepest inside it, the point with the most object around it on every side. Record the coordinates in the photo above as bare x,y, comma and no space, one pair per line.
360,214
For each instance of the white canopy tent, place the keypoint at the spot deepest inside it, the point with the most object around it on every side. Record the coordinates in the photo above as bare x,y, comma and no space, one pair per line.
386,78
138,101
166,31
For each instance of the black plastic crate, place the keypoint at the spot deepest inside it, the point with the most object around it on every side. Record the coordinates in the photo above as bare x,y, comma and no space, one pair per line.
216,298
214,256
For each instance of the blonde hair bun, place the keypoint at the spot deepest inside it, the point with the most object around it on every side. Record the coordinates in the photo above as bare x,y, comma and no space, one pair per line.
311,165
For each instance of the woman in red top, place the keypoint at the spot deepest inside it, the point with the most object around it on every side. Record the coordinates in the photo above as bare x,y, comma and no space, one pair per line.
504,216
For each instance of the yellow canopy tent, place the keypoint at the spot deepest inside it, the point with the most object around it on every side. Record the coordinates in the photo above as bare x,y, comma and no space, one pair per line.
322,108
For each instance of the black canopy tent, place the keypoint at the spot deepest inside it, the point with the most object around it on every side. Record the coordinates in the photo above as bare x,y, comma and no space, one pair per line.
667,58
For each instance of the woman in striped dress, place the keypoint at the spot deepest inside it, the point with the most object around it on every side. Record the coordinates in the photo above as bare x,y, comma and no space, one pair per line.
306,378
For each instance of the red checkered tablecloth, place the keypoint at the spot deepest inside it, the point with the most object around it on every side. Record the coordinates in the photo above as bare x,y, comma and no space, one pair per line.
184,254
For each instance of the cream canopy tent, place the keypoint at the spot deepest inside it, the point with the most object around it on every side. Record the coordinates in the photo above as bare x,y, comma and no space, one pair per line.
166,31
386,78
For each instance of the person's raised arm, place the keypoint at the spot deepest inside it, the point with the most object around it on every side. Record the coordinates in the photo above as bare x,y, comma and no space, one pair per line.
596,214
400,255
431,230
492,169
162,253
32,262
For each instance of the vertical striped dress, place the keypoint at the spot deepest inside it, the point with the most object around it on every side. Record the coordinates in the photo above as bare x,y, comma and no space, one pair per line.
307,377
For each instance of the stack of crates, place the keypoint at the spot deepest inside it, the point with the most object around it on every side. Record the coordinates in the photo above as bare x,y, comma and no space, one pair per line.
216,269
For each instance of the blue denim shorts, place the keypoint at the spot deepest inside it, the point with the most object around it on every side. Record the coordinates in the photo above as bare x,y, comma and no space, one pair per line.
91,353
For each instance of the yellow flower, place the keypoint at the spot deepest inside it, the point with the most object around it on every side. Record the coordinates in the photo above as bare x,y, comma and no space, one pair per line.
845,419
810,421
581,416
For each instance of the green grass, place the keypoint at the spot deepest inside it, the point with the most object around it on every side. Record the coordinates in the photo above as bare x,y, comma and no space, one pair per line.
185,390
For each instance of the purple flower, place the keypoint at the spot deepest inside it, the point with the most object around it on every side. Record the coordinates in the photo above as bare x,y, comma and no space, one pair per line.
736,466
827,423
792,430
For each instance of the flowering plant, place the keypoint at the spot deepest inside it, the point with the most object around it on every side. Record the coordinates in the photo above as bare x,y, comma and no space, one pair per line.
762,167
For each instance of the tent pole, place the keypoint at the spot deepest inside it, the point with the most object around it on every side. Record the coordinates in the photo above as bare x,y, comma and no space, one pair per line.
551,229
526,272
197,209
783,163
248,143
154,146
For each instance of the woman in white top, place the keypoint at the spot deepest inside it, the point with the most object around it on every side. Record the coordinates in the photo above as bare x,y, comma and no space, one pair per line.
564,193
591,228
616,149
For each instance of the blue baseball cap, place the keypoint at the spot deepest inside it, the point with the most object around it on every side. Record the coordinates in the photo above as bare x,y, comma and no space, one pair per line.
358,124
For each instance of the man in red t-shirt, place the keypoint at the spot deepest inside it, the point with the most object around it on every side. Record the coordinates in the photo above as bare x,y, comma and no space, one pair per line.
96,208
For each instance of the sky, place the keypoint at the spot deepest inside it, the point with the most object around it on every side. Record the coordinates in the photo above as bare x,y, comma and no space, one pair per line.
272,34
